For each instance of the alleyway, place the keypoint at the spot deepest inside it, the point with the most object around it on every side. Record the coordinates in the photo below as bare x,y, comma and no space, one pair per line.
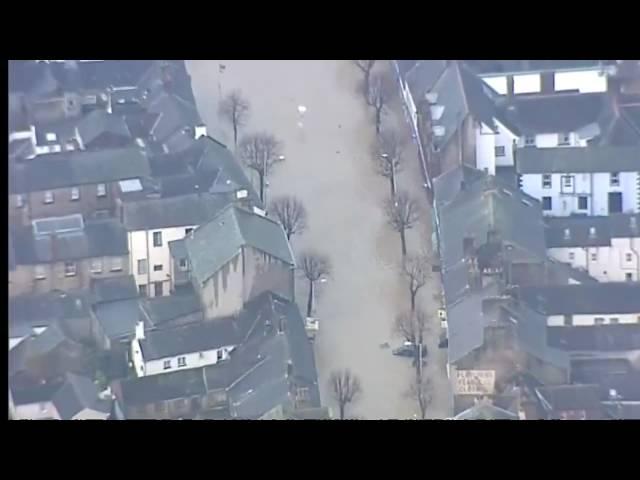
328,167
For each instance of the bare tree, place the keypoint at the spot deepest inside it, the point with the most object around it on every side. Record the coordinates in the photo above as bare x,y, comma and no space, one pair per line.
417,269
291,214
402,214
381,90
365,67
314,266
387,155
412,326
421,390
234,108
345,387
260,152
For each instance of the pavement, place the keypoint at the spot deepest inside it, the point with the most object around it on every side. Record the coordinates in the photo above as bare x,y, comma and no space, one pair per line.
328,166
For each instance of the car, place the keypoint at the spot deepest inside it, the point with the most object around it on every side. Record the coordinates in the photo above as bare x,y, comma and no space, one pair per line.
409,349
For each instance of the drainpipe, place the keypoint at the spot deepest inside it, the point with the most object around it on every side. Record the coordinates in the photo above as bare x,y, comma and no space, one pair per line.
637,255
146,234
592,194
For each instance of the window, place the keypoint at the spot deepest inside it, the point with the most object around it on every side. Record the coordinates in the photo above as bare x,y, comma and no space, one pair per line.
166,365
529,141
219,355
142,266
628,277
183,264
157,268
546,181
628,257
40,272
546,203
567,181
568,320
187,231
75,193
572,256
48,197
157,239
500,152
96,265
116,264
614,180
598,320
564,139
69,269
157,289
101,190
583,203
143,290
50,137
594,257
614,320
19,201
182,361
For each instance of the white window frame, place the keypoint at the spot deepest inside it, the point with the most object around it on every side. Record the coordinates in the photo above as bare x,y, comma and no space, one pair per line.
628,257
101,190
529,141
614,179
166,364
182,361
564,139
567,181
19,201
96,265
116,264
49,197
572,256
156,269
153,239
594,256
75,193
142,262
503,150
546,180
70,272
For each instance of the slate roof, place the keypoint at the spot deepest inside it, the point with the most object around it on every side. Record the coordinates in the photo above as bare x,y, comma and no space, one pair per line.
619,123
486,411
112,289
531,114
558,398
422,76
77,394
173,211
71,169
579,227
167,386
99,238
215,243
577,160
98,122
30,311
118,318
405,66
600,298
161,310
520,66
38,394
561,273
175,114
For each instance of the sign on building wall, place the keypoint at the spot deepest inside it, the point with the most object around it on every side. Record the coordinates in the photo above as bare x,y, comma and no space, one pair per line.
475,382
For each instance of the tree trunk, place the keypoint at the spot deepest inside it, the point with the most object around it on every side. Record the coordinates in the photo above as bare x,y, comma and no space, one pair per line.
261,178
288,232
413,294
367,76
342,405
378,119
403,242
393,181
310,299
235,134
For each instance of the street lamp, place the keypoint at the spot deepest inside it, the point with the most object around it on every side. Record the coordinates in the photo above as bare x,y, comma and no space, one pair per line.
393,173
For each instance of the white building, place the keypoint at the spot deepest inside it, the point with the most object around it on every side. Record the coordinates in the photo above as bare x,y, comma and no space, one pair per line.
585,181
608,248
151,224
183,347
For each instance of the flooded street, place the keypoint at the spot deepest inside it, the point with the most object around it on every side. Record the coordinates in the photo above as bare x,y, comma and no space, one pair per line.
328,167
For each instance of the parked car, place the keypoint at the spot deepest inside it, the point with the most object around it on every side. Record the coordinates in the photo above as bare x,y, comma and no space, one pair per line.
409,349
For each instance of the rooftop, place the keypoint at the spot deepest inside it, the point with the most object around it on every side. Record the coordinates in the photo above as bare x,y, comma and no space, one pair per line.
77,394
599,298
215,243
590,231
72,169
577,160
98,122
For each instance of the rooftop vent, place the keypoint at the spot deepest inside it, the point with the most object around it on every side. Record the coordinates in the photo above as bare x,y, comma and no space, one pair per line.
592,232
567,234
431,97
438,130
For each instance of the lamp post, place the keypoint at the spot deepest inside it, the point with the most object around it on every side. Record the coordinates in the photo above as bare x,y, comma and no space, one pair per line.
393,172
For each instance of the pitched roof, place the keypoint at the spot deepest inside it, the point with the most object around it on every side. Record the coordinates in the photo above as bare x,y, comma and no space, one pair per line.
99,238
71,169
37,394
175,211
577,159
422,76
485,411
174,114
531,114
519,66
112,289
599,298
118,318
215,243
98,122
558,398
167,386
161,310
590,231
77,394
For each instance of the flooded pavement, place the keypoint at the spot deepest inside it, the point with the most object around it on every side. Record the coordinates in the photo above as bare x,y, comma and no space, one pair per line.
313,107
